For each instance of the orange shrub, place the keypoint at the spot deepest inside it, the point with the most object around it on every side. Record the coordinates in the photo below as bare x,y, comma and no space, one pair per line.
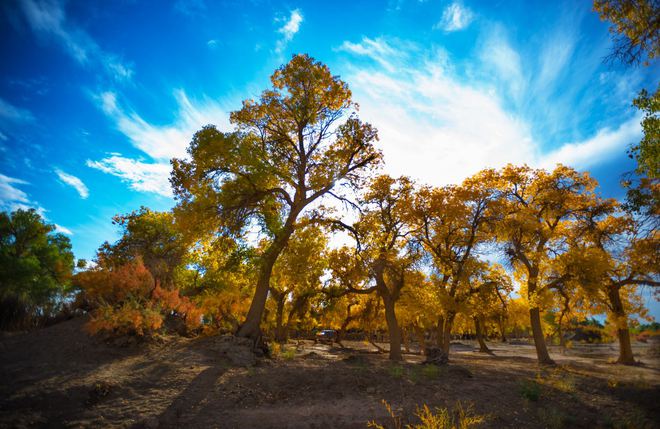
101,286
126,301
131,318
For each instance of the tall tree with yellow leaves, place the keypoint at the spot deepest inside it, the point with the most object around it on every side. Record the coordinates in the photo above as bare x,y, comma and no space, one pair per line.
539,210
291,147
452,223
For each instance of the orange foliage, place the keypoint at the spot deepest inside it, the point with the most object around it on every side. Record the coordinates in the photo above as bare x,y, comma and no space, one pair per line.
131,318
115,285
126,301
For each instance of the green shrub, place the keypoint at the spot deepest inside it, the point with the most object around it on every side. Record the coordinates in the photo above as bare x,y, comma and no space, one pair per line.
530,390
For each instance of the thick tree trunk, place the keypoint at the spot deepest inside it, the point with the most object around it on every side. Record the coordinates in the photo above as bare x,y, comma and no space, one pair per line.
623,333
251,328
446,332
560,332
439,336
500,323
625,348
279,322
393,329
483,348
539,338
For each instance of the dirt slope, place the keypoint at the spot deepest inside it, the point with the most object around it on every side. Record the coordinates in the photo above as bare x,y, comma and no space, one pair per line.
60,377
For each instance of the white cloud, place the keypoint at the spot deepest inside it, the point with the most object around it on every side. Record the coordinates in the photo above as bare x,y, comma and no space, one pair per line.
62,229
379,50
141,176
439,121
455,17
499,58
12,198
605,143
10,195
47,18
431,125
9,112
74,182
289,29
213,43
163,142
439,126
160,143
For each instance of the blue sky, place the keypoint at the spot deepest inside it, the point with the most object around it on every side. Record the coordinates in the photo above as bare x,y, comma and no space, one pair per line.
95,100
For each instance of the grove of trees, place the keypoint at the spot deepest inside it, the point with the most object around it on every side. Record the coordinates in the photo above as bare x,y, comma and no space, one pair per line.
286,224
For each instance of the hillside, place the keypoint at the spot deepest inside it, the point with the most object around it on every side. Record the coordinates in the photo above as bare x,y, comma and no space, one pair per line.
60,377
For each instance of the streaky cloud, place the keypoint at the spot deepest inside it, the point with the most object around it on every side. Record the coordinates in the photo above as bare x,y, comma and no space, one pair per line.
74,182
48,19
440,127
140,176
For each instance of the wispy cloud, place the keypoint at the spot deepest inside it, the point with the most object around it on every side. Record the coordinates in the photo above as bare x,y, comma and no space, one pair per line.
12,198
163,142
11,113
62,229
191,8
47,18
74,182
455,17
159,143
440,126
500,59
379,50
289,29
141,176
600,147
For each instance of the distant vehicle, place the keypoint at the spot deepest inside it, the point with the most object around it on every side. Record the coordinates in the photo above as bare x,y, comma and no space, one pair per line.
326,336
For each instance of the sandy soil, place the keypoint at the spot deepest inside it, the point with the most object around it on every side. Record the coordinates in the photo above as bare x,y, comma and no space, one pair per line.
60,377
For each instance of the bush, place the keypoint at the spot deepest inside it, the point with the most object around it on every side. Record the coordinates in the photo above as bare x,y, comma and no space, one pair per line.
459,418
530,390
131,318
125,300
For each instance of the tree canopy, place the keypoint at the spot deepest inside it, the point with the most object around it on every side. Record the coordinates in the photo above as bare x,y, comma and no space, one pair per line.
289,149
36,264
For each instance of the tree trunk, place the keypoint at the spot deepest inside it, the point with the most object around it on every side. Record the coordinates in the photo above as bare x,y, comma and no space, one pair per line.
251,328
421,338
446,332
279,322
625,348
393,329
560,332
483,348
406,339
500,323
539,339
439,336
623,333
344,325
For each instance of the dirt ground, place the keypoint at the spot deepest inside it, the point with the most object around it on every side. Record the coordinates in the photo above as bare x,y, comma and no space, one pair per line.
60,377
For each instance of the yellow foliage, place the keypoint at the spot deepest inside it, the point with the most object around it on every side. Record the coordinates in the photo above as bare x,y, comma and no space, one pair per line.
441,418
